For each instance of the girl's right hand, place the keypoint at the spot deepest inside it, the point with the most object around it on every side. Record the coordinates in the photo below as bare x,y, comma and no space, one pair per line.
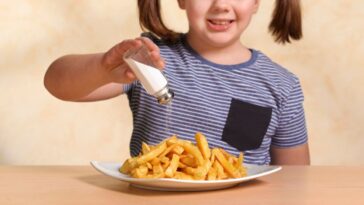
112,61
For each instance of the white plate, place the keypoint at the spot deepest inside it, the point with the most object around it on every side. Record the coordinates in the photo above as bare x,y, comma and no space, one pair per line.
165,184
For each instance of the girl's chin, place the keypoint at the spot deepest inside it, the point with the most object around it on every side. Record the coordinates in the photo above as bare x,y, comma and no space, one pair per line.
215,39
222,39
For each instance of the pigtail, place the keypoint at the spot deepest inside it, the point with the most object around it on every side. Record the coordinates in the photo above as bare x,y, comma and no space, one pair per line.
286,22
150,19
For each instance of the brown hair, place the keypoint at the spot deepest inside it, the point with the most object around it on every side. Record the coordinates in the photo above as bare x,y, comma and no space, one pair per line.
286,22
150,19
285,25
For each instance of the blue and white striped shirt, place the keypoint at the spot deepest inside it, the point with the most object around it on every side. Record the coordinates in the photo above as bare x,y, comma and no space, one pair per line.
245,107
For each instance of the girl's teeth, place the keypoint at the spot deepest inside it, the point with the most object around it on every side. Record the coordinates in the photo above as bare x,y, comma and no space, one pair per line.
220,22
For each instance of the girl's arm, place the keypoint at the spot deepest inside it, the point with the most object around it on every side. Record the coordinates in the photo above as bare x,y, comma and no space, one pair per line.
298,155
94,77
75,77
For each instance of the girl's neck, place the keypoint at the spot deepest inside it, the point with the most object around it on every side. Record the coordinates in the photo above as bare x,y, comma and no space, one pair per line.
234,53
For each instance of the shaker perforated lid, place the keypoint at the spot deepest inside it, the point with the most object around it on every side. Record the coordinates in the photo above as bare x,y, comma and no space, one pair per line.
165,96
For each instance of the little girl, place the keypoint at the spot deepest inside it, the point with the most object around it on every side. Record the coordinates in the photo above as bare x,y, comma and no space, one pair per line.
235,95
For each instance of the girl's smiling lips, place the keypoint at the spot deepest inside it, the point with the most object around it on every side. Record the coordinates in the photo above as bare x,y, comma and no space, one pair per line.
219,24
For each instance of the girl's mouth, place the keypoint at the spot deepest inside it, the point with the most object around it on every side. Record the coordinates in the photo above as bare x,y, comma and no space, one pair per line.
219,24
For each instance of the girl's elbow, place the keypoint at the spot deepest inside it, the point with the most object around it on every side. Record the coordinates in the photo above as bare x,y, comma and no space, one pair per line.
51,83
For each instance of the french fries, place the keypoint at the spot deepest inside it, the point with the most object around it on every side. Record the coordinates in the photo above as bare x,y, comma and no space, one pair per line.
181,159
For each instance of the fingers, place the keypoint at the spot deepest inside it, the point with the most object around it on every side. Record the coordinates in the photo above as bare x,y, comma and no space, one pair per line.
130,75
154,52
157,59
148,43
114,57
125,45
122,74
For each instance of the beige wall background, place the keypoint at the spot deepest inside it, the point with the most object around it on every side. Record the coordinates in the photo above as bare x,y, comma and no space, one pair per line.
36,128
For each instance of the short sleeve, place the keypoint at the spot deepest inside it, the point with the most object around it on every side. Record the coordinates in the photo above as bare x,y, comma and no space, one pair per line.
127,87
291,130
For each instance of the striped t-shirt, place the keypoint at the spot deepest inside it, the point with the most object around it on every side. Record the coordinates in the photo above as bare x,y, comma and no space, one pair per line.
244,107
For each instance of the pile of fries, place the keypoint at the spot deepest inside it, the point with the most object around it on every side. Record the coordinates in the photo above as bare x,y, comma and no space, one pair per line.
181,159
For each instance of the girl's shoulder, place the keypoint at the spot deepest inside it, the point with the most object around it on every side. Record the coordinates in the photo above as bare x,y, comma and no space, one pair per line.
273,69
283,81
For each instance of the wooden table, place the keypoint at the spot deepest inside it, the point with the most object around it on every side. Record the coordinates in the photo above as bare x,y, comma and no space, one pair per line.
292,185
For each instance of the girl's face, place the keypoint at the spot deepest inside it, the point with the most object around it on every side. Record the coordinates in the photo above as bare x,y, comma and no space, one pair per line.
218,22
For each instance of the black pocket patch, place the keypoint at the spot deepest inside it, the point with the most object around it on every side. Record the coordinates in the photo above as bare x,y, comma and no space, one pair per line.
246,125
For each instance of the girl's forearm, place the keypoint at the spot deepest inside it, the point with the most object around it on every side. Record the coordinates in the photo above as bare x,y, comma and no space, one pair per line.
72,77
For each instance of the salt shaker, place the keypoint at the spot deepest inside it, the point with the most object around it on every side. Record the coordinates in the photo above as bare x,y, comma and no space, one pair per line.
151,78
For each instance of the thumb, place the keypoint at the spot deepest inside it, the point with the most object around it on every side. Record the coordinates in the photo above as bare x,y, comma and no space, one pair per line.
129,74
114,57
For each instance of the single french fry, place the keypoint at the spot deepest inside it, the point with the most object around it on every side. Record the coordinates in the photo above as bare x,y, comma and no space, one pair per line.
203,145
168,150
152,154
212,174
230,169
178,150
171,140
193,150
189,161
154,176
199,174
128,165
230,160
243,171
157,169
157,172
149,165
140,172
184,155
241,168
225,153
219,170
164,159
239,163
166,164
145,148
172,166
152,147
202,171
170,155
190,171
181,165
212,158
182,175
155,161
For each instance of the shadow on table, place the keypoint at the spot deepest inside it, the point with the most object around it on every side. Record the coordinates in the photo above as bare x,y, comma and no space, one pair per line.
111,184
